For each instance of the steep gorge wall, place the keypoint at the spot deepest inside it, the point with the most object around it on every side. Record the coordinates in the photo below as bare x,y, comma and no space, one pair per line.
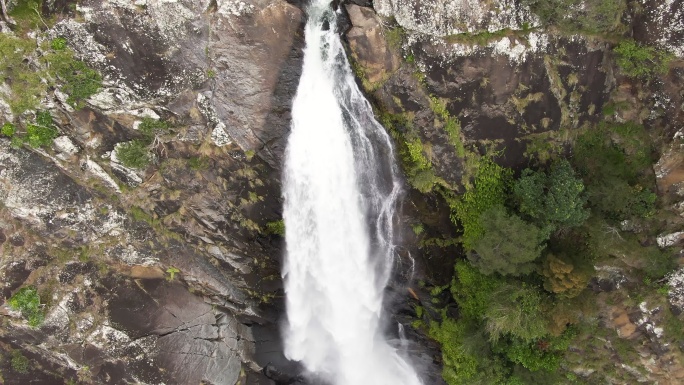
98,239
467,85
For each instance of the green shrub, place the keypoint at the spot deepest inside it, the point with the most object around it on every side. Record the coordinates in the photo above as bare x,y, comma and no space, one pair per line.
553,200
615,163
638,60
198,163
43,132
508,245
540,354
27,301
151,127
26,85
488,190
19,362
276,227
415,163
459,365
134,154
473,290
451,125
39,136
172,271
8,130
54,64
17,141
27,13
80,81
58,43
467,356
588,16
517,310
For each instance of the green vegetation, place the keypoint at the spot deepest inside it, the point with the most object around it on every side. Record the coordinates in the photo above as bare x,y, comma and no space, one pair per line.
150,128
412,153
276,228
554,200
26,85
614,160
34,69
488,190
79,81
641,61
531,244
27,301
515,310
508,245
502,335
19,362
39,136
27,14
137,153
451,125
572,16
58,44
8,130
172,271
134,154
198,163
395,36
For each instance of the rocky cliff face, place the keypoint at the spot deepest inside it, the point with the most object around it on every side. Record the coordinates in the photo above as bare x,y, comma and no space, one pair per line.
165,274
491,78
442,18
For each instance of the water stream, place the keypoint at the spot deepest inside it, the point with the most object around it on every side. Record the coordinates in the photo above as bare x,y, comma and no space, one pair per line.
340,189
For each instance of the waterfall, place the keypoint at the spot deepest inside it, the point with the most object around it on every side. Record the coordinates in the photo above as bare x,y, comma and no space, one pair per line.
340,190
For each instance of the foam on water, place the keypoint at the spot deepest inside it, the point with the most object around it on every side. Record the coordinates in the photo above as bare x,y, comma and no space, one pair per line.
340,189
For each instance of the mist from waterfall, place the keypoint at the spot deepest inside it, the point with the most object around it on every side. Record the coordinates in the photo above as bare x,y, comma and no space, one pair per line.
340,189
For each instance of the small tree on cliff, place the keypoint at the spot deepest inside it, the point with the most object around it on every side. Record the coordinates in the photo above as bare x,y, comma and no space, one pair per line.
564,276
554,200
509,245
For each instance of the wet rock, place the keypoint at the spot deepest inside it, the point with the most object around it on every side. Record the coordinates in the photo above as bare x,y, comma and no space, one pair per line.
661,22
192,340
369,46
257,61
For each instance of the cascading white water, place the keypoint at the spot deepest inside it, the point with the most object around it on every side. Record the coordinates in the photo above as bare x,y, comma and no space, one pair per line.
340,190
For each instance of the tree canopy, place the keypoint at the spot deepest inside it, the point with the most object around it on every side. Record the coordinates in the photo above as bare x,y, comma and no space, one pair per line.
552,200
509,245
